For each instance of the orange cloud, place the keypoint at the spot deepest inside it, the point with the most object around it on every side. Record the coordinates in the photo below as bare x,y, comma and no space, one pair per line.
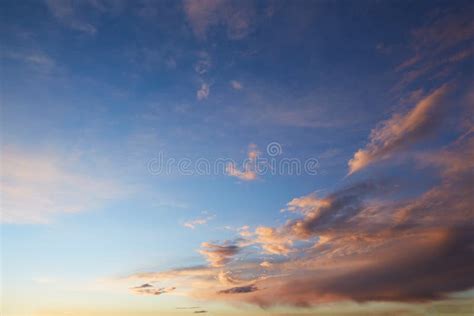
218,255
401,130
273,241
249,172
356,243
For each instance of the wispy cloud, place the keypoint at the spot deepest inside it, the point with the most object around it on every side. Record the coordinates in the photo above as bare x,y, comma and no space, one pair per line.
198,221
401,130
249,171
35,59
237,18
66,13
236,85
203,64
148,289
203,92
444,41
36,186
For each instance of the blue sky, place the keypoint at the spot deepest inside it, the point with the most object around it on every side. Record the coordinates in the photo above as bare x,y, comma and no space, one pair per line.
379,93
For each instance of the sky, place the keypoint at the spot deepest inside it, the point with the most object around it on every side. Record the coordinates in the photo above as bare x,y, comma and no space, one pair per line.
225,157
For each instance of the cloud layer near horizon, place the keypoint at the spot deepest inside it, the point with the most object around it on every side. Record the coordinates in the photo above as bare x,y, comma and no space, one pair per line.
371,240
353,244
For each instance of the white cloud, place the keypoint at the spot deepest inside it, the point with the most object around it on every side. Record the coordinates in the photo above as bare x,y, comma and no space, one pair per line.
198,221
35,59
236,85
203,92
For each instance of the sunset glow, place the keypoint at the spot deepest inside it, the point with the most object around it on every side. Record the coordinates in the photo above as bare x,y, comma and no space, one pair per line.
224,157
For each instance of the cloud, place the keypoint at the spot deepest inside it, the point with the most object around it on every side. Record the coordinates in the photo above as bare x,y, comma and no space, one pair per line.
273,241
438,46
36,60
332,212
402,130
237,18
240,290
175,275
354,244
266,264
249,172
44,280
66,13
35,187
226,278
203,64
201,67
455,160
236,85
218,255
308,110
368,241
413,268
143,286
306,204
203,92
246,175
198,221
148,289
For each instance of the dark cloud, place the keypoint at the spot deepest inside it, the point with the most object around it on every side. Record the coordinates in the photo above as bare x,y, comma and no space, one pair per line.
218,255
148,289
143,286
334,211
240,289
424,266
363,246
418,249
